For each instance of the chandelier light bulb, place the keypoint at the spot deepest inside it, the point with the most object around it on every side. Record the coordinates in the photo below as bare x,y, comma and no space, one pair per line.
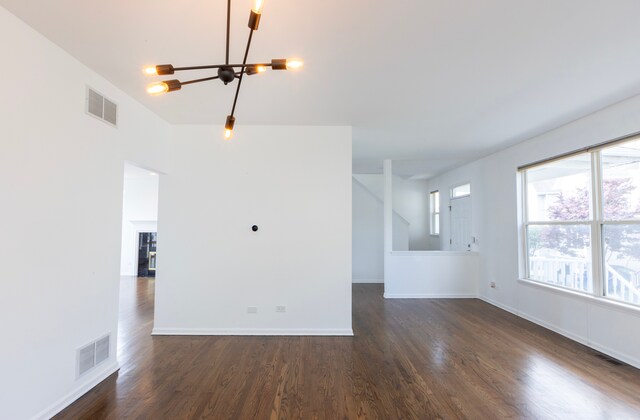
261,69
257,7
228,134
158,88
150,71
294,64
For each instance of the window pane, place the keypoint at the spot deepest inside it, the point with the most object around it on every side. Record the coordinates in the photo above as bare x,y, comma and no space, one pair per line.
435,202
560,255
560,190
622,262
436,224
621,181
461,190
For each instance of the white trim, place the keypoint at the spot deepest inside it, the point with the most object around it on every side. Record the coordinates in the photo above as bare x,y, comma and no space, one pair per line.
257,331
430,296
367,281
601,301
68,399
433,253
575,337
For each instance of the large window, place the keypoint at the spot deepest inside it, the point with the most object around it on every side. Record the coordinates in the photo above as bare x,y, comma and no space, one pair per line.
582,221
434,201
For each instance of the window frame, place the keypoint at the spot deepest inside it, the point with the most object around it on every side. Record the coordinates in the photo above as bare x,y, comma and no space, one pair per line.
451,190
433,212
596,222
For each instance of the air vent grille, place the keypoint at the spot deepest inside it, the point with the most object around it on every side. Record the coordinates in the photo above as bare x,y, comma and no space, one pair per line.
95,103
102,350
93,354
102,108
86,358
110,112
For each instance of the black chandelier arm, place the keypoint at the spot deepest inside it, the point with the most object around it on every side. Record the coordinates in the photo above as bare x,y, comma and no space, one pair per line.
217,66
242,71
206,79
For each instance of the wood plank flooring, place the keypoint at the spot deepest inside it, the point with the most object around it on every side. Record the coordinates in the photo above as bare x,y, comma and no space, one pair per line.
409,359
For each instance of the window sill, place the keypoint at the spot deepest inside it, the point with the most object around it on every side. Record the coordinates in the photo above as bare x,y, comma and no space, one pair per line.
433,253
600,301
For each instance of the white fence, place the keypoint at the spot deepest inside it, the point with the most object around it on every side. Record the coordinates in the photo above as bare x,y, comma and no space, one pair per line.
576,274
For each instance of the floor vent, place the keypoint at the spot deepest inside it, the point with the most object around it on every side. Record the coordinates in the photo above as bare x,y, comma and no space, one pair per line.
610,359
93,354
102,108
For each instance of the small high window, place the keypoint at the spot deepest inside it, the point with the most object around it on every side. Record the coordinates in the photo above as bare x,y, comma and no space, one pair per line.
461,191
434,201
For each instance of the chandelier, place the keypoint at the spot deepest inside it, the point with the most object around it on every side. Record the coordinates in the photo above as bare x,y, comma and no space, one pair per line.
227,73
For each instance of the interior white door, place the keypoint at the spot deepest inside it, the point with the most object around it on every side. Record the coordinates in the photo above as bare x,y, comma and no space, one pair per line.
460,210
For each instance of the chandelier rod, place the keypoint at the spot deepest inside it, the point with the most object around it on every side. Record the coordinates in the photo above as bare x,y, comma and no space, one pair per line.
217,66
206,79
228,28
244,62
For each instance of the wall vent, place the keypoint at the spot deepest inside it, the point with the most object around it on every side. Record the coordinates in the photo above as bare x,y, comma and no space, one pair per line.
102,349
102,108
86,358
93,354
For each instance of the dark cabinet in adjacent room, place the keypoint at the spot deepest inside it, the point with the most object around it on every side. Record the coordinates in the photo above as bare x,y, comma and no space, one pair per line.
147,254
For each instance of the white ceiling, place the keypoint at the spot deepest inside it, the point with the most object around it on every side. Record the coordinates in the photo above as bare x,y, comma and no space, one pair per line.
132,171
434,83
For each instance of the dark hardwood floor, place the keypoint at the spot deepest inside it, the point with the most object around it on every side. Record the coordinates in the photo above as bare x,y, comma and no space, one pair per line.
409,359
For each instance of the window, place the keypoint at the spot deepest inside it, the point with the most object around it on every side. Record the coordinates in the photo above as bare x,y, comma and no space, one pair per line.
434,200
461,191
581,239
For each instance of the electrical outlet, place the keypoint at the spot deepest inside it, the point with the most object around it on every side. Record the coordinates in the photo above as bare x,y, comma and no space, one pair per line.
281,309
493,284
252,309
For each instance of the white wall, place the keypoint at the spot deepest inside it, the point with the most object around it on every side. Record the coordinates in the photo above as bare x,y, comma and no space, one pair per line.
601,325
368,241
431,274
295,184
410,207
61,175
368,226
139,211
411,201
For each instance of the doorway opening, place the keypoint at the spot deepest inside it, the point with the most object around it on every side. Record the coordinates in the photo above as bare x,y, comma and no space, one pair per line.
139,221
139,258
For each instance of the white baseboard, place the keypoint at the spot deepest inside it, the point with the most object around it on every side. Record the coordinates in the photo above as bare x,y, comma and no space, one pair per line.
429,296
499,305
359,281
575,337
261,332
87,385
616,355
